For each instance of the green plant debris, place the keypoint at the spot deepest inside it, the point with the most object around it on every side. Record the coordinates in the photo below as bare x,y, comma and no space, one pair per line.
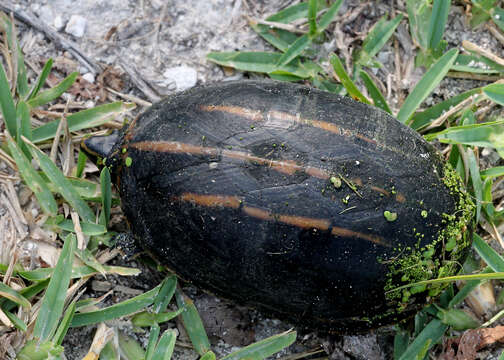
419,264
336,181
390,216
351,185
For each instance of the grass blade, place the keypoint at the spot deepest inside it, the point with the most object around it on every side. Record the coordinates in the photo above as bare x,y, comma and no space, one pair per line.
17,322
429,336
62,185
271,35
21,81
116,311
33,180
145,318
11,294
279,38
294,50
468,287
481,11
427,83
495,92
424,118
192,323
474,64
166,344
346,81
27,292
484,135
491,257
376,39
153,338
291,13
329,15
401,341
23,123
130,348
42,274
84,119
49,95
492,172
166,293
41,79
378,99
36,351
89,229
81,163
210,355
419,16
65,324
264,348
437,23
54,297
498,17
106,192
262,62
7,104
312,17
87,189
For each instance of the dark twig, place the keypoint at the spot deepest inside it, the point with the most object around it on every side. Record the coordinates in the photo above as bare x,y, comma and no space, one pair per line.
72,47
140,83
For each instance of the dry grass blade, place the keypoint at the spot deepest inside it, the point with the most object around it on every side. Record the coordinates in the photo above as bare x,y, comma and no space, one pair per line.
102,336
130,97
278,25
81,241
8,160
495,32
5,320
61,124
479,50
440,120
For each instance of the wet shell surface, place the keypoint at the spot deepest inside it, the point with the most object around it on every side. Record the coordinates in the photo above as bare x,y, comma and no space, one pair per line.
306,205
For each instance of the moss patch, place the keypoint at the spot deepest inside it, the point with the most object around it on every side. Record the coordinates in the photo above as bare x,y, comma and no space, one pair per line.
441,258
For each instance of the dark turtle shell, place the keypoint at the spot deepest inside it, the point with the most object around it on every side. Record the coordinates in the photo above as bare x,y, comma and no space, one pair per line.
306,205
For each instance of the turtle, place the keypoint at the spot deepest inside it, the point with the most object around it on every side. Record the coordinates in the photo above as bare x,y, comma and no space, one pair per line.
309,206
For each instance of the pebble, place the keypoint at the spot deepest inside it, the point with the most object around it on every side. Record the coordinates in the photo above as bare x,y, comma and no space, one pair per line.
76,26
58,23
184,76
89,77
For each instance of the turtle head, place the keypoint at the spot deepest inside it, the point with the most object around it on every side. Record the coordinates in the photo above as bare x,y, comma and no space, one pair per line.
100,146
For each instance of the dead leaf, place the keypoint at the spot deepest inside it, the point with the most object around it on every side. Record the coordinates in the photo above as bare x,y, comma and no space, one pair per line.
491,335
111,77
466,347
86,90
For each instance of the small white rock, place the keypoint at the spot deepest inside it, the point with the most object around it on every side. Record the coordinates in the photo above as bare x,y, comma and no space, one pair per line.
58,23
486,152
184,76
89,104
89,77
76,26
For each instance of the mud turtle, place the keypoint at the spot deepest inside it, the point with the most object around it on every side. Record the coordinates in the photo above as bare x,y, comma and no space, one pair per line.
306,205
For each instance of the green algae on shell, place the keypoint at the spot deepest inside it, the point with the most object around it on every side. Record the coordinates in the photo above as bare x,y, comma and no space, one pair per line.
418,264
